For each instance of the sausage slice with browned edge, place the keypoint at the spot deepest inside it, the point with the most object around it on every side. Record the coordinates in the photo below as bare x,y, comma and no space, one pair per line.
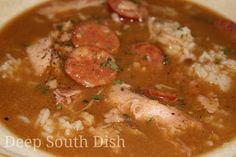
227,27
94,34
91,66
128,9
148,54
157,94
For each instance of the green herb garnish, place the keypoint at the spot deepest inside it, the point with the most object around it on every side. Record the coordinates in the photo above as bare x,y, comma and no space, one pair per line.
98,19
59,106
227,50
68,43
42,89
96,97
150,120
45,89
110,63
103,65
182,104
37,86
118,82
59,27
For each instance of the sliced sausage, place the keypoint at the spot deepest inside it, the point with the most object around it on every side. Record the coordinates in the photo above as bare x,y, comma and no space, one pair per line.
148,54
227,27
157,94
91,33
88,66
128,9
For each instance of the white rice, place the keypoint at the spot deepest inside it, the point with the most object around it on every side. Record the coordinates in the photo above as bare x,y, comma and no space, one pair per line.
214,121
211,103
212,74
24,119
48,126
43,117
88,119
58,125
9,67
77,125
115,17
52,84
113,116
104,132
215,68
64,123
176,39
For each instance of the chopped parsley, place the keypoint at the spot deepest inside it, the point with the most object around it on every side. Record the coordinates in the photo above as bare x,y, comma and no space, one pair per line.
97,97
98,19
118,82
110,63
68,43
45,89
182,104
227,50
37,86
59,106
42,89
150,120
103,65
59,27
166,60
